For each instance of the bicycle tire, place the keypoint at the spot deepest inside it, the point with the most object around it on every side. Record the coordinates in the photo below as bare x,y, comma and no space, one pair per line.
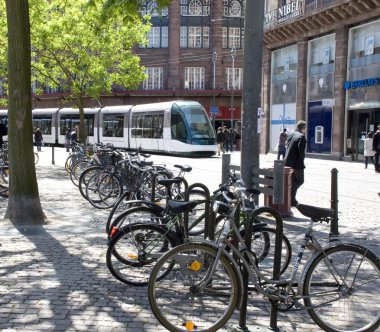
133,251
137,214
103,190
77,169
350,307
176,301
36,158
85,176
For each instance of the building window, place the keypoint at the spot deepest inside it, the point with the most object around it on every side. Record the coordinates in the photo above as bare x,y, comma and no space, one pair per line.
195,7
150,8
154,80
233,8
195,37
238,79
231,37
157,37
194,78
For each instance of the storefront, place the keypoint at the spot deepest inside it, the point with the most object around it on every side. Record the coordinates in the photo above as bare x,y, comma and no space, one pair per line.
362,86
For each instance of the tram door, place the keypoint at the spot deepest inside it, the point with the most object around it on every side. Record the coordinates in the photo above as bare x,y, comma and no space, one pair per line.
358,126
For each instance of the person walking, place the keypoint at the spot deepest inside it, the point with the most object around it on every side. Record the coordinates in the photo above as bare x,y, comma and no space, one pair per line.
368,152
231,135
220,140
67,139
282,144
38,139
295,156
376,148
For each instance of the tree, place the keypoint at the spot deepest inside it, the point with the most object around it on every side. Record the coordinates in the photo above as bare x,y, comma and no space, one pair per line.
24,205
73,50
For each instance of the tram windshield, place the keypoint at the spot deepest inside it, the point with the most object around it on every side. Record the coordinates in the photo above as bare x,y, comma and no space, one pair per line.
191,121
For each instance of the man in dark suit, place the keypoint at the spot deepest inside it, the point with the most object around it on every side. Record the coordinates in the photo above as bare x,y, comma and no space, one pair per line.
295,156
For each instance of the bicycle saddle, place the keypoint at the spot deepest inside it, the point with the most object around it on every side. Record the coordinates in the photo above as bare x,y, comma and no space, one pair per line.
181,206
314,212
184,168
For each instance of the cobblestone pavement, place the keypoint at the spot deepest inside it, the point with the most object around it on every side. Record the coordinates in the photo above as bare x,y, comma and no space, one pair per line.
55,278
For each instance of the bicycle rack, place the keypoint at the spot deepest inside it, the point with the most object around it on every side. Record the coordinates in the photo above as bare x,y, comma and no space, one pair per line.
169,193
207,207
276,266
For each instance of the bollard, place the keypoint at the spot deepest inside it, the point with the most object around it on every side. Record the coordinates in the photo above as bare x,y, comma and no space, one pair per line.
334,202
52,155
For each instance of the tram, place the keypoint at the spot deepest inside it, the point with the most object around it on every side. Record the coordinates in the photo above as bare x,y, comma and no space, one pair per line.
173,127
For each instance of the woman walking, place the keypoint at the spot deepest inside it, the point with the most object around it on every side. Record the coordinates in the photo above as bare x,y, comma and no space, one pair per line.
38,139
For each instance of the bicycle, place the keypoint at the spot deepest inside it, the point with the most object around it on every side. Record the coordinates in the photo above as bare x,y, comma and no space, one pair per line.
134,248
202,283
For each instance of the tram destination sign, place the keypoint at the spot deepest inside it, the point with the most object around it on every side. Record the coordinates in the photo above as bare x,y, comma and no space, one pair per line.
361,83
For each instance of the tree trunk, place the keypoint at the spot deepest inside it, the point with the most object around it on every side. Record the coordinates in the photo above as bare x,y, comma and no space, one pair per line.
24,206
82,135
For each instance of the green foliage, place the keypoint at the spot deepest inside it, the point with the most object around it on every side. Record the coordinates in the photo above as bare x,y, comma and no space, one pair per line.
73,49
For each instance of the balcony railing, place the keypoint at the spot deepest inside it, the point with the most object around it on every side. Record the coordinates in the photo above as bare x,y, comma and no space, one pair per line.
313,5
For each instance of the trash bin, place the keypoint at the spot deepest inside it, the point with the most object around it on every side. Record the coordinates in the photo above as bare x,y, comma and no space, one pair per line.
285,208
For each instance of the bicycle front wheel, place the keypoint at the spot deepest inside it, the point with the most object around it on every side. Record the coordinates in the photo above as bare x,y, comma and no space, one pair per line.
341,289
133,251
185,300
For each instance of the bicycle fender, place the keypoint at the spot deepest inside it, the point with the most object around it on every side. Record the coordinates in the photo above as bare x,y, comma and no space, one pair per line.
234,264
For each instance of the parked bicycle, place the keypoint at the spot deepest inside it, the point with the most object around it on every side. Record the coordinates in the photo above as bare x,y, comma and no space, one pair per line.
197,286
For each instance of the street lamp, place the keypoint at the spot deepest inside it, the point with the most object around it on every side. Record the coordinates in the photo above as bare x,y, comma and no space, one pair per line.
233,53
214,57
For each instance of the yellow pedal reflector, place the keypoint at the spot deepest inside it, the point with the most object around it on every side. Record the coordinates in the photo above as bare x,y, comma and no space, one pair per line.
132,256
195,266
189,326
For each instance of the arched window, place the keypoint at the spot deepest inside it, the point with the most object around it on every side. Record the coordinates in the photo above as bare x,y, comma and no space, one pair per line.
195,7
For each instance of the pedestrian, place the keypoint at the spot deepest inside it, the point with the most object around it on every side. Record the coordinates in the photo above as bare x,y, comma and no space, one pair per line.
294,158
73,138
3,132
220,140
376,148
282,144
38,139
368,152
67,139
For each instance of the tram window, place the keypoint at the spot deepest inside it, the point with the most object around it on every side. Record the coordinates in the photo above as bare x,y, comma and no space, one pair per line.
43,123
137,125
178,127
199,123
113,125
158,122
147,125
73,122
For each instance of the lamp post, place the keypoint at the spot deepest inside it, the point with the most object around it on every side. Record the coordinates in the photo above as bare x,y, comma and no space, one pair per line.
233,53
214,57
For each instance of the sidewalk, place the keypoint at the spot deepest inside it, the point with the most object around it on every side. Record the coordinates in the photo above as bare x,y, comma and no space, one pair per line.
55,278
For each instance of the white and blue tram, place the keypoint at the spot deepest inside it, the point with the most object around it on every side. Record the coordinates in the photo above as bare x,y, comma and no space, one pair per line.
175,127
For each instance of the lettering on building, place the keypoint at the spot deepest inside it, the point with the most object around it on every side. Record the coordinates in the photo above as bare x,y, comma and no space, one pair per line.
283,13
361,83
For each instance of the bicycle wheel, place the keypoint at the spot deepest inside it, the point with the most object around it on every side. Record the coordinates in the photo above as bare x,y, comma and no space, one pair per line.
103,190
133,251
36,158
77,169
179,300
341,289
137,214
85,176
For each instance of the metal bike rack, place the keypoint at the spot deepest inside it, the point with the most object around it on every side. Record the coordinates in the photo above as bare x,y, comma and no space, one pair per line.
153,192
208,226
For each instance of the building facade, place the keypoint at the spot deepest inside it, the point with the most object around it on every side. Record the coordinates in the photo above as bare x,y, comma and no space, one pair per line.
322,64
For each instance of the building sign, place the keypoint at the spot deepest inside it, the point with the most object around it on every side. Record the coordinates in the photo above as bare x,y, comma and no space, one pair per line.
361,83
283,13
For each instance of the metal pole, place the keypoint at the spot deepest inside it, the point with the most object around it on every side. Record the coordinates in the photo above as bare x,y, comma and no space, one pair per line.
233,53
334,202
214,57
